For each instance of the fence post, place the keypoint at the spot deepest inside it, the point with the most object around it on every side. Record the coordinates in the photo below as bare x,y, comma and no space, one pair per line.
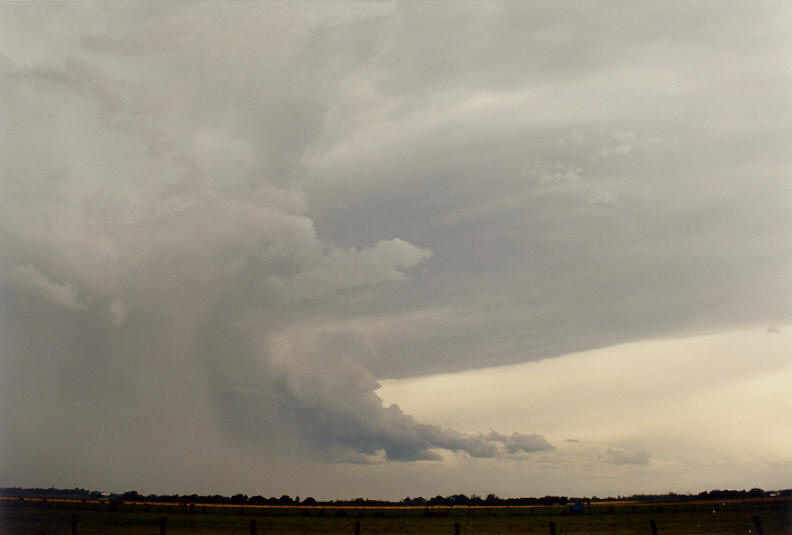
457,528
552,528
357,527
758,523
162,522
74,523
253,527
653,526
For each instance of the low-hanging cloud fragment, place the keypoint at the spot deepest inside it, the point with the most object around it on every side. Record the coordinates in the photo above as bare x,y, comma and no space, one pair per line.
28,278
620,456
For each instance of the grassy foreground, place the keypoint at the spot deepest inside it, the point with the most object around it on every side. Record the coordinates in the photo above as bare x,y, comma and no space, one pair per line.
726,518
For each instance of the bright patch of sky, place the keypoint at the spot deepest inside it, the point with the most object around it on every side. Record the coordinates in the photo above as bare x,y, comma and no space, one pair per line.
676,411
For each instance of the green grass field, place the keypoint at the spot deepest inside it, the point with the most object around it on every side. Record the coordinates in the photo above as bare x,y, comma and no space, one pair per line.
727,518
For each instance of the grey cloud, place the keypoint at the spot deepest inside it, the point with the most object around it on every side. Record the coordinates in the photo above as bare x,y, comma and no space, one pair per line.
621,457
27,277
336,405
178,284
520,443
622,203
220,227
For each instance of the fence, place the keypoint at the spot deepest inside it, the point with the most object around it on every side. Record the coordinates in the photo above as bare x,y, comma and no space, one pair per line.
163,524
50,516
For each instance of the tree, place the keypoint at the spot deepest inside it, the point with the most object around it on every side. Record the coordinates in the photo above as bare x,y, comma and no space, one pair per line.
131,496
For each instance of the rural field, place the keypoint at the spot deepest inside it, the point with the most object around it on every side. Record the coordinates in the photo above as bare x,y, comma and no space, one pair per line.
30,517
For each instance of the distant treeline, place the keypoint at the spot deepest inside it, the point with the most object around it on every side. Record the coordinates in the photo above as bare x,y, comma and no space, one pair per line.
64,494
491,500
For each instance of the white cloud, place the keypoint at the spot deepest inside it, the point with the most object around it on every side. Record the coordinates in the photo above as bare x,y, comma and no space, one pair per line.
341,269
602,197
116,313
557,174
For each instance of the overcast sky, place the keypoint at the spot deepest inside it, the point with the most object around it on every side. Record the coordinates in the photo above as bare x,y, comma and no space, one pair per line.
376,249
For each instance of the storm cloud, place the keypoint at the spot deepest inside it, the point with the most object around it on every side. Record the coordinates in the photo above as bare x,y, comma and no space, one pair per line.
179,280
220,226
